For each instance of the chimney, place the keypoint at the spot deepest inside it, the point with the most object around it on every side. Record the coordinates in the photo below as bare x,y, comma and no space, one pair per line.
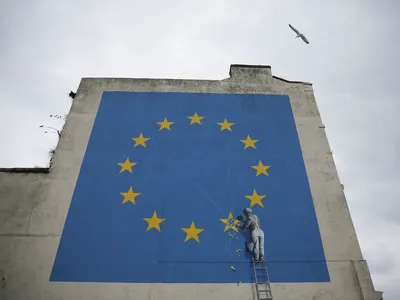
251,73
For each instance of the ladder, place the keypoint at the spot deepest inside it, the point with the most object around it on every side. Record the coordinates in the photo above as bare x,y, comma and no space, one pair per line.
261,278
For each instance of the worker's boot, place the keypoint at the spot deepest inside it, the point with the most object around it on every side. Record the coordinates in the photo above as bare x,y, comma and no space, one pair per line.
261,257
257,258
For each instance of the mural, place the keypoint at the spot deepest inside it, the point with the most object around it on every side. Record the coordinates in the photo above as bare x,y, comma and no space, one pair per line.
165,175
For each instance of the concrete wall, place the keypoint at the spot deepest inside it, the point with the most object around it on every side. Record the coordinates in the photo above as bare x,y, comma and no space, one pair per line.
19,194
34,206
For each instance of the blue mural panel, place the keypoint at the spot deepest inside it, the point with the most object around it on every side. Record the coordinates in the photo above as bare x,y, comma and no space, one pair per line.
163,174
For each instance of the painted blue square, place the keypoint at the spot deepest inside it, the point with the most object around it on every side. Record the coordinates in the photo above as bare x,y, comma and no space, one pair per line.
190,173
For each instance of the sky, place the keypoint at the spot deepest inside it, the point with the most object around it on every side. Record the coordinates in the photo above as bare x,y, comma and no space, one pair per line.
46,47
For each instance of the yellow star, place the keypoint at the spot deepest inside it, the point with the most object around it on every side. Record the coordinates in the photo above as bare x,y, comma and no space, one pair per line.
126,166
249,142
195,119
192,232
226,125
165,124
256,199
140,140
154,222
130,196
228,223
261,169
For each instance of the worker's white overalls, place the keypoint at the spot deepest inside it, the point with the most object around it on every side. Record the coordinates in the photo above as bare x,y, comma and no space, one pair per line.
257,239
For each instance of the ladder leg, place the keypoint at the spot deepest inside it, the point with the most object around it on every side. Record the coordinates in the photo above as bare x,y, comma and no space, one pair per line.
255,278
262,287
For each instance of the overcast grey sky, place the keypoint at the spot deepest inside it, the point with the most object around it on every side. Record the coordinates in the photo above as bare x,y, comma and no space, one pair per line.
46,47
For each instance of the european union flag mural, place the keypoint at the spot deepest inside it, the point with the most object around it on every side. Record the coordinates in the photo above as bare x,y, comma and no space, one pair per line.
165,175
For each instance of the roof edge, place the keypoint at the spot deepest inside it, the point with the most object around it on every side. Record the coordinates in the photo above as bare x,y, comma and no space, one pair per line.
25,170
203,80
289,81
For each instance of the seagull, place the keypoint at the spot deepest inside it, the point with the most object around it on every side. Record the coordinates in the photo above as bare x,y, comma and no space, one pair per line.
299,34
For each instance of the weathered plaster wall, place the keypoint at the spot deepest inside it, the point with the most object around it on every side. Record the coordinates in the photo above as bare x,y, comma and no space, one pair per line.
34,206
20,193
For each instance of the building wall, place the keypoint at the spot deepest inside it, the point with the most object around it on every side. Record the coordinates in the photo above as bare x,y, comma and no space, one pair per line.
34,206
19,194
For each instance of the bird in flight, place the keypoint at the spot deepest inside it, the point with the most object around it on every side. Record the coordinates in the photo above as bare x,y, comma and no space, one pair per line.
299,34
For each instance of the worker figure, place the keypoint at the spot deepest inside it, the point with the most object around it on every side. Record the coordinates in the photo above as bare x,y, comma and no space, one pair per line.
256,233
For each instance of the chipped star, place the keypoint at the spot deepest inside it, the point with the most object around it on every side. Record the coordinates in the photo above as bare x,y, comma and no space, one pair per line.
230,223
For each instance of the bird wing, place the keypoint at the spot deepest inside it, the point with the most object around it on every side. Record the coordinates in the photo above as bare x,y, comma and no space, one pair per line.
294,29
304,39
